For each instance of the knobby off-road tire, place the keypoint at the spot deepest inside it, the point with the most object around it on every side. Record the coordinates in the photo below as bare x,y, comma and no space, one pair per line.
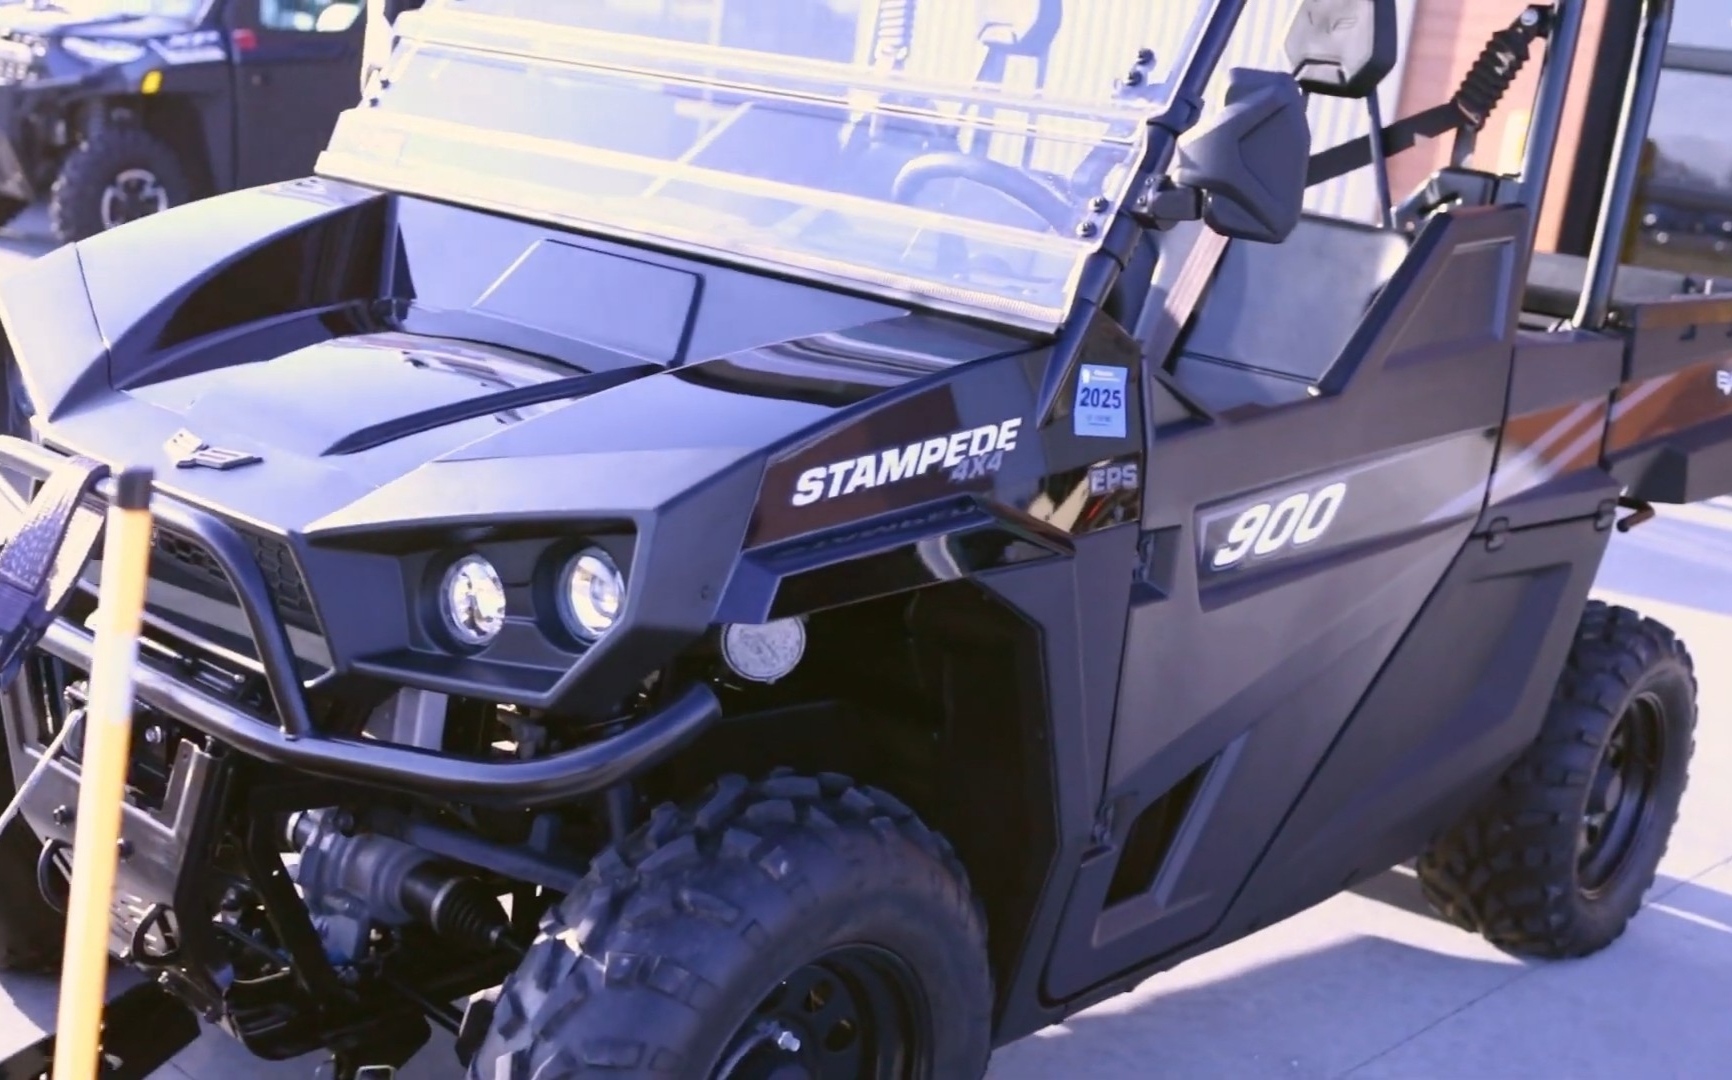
1542,868
692,947
123,157
32,934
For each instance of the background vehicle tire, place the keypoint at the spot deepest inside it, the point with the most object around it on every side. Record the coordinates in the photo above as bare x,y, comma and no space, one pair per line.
693,949
31,933
10,209
1556,860
119,174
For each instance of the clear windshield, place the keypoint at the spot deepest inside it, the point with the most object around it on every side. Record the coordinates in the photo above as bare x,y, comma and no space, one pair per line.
961,154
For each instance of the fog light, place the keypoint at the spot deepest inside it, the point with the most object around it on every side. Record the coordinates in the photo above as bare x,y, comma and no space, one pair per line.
591,594
764,652
473,599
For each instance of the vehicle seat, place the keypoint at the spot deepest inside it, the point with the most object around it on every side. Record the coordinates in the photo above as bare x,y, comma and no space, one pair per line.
1288,309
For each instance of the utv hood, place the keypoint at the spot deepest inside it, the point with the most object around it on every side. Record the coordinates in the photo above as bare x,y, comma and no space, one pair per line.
354,419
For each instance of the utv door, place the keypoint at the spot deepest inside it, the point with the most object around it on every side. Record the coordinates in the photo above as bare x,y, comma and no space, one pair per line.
297,66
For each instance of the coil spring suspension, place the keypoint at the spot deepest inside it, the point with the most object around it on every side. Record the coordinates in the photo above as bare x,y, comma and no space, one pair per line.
894,34
1499,63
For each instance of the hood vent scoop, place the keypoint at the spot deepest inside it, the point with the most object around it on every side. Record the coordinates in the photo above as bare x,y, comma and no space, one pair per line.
518,397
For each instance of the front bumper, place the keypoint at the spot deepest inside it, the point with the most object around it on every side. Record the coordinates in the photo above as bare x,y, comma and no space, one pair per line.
289,737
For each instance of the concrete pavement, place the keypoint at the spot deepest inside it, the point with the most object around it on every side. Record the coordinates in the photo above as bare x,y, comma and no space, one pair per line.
1369,986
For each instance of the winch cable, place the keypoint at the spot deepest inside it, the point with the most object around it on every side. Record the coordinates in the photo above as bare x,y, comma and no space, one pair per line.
40,769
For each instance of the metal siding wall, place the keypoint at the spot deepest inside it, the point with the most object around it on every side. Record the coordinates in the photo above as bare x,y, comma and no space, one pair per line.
944,37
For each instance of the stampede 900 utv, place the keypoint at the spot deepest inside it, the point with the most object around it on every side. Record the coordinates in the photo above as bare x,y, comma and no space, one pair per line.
747,556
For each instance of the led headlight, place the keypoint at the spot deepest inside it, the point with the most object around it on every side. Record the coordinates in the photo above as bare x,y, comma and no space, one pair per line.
103,50
591,593
473,600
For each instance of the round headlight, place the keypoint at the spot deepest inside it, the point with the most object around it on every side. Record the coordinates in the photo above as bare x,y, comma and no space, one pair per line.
591,592
473,599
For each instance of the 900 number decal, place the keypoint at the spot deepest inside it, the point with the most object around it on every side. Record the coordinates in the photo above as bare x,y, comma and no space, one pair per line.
1269,527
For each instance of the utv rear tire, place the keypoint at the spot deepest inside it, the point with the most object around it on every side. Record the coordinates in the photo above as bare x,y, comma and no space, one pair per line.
1556,860
696,945
31,933
121,172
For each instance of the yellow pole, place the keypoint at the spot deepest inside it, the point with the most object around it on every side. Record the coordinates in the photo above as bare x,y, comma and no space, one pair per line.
107,747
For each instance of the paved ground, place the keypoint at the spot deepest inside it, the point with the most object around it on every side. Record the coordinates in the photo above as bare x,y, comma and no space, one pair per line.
1369,986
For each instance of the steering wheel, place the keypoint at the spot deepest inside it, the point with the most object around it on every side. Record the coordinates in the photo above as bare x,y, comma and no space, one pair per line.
927,169
950,165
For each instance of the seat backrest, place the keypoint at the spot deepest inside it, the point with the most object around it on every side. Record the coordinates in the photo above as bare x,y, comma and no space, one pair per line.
1343,48
1290,308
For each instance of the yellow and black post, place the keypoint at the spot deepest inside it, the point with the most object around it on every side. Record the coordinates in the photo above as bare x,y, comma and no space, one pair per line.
107,749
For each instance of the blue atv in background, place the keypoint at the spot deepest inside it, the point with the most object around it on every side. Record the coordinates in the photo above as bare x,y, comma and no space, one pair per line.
116,109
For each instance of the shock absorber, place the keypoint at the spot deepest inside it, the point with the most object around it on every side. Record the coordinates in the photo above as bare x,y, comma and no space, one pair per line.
894,34
1494,73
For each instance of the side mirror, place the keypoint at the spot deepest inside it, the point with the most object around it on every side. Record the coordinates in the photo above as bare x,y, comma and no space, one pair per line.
1245,173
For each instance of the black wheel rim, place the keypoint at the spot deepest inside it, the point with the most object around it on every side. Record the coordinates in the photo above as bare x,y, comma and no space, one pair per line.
1621,795
855,1013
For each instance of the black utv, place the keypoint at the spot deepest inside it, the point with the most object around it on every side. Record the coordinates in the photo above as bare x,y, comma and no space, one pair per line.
114,109
818,549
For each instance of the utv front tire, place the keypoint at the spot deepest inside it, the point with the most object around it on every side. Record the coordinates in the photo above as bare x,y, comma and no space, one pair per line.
119,174
31,932
1556,860
798,923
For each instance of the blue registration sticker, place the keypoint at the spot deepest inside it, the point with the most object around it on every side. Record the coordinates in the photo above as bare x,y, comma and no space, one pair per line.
1100,402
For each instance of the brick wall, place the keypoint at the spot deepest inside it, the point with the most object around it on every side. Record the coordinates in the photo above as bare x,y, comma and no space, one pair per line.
1447,36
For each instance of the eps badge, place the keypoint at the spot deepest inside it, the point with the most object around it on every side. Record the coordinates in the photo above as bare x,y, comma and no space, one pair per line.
1112,479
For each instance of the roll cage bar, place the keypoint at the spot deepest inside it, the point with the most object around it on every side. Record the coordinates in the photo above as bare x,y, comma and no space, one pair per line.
1645,56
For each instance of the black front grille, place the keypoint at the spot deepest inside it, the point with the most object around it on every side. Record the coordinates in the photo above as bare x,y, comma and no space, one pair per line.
276,562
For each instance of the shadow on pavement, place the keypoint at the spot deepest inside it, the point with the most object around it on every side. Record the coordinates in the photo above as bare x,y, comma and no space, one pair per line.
1284,1018
1398,888
1337,1008
1706,907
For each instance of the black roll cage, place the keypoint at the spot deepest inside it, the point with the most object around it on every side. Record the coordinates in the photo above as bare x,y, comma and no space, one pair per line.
1644,55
